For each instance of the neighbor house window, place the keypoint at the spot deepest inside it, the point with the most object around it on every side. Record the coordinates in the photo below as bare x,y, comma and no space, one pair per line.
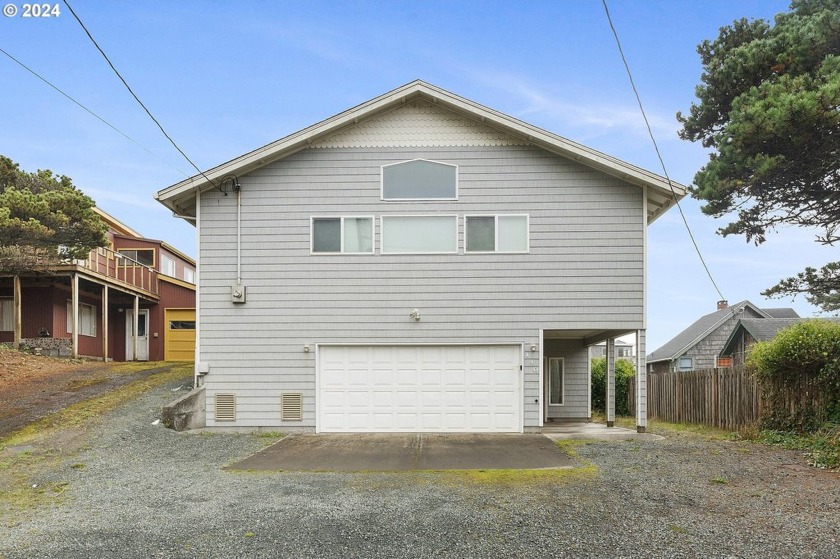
342,235
685,364
418,234
167,265
555,381
7,315
189,275
145,257
87,319
497,233
420,180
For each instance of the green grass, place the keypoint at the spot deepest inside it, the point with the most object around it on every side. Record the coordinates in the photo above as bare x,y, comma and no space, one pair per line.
81,412
28,452
820,448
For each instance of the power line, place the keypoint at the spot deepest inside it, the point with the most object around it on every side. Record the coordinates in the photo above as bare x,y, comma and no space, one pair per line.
89,111
136,98
658,153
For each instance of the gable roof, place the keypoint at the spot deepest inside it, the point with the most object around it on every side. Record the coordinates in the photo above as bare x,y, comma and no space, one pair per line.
701,328
180,197
782,313
763,329
114,224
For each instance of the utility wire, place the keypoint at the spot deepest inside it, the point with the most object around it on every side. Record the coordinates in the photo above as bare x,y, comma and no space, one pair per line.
658,153
136,98
89,111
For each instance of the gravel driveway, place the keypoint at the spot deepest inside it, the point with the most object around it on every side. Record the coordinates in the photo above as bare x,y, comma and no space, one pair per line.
140,490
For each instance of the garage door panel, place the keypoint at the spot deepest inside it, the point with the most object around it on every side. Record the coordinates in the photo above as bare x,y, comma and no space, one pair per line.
422,388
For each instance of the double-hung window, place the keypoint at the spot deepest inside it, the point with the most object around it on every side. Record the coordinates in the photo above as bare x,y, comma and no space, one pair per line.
342,235
167,265
497,233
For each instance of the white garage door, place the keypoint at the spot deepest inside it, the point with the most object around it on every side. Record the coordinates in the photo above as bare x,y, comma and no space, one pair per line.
419,388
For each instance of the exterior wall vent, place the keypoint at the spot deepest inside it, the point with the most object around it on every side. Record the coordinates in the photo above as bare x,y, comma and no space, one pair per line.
291,407
225,407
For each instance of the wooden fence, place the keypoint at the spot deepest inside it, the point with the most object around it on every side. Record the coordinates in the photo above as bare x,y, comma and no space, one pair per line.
724,398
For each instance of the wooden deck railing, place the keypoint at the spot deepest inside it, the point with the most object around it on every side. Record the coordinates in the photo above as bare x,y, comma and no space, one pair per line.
121,268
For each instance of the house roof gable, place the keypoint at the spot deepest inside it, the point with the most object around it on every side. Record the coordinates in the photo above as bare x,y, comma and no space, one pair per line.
661,193
701,328
763,329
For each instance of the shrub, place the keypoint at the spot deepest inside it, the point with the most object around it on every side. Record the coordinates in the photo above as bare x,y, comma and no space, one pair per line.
799,373
623,373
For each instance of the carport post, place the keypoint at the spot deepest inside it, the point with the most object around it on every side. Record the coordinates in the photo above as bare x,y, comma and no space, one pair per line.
641,383
610,399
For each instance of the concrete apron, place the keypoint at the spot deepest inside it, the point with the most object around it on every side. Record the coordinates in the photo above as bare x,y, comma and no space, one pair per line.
400,452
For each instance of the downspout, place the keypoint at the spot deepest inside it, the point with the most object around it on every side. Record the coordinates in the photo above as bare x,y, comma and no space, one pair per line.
197,358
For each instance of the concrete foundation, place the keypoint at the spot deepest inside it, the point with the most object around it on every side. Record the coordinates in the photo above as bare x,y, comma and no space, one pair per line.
187,412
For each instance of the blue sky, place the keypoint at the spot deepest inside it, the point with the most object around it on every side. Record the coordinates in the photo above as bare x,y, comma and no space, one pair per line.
227,77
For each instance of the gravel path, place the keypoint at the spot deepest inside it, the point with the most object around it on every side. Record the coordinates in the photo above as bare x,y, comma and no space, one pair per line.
140,490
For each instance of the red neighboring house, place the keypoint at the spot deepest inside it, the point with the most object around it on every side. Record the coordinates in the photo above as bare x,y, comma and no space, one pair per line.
133,300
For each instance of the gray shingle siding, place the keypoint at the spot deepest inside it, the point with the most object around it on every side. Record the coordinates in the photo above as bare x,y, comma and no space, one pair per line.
585,268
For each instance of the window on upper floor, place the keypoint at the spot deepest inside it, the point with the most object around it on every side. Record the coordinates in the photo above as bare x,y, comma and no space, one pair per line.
497,233
167,265
189,275
420,180
342,235
144,256
419,234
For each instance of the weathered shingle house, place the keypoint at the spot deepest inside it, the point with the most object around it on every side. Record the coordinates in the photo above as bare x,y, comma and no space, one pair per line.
416,263
699,346
748,331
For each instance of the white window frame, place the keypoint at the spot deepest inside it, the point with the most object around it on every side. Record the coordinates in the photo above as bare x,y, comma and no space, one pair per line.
383,218
341,219
382,181
167,261
562,361
189,275
7,314
496,233
679,366
87,319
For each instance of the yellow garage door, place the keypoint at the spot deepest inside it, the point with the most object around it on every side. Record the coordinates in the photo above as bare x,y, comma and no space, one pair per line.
179,344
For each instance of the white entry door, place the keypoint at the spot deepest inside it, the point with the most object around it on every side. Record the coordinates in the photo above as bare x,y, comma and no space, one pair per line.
419,389
142,335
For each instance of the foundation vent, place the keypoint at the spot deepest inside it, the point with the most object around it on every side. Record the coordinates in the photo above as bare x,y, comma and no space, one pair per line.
225,407
291,407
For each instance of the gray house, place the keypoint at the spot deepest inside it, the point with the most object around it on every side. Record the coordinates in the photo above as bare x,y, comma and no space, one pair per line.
416,263
699,346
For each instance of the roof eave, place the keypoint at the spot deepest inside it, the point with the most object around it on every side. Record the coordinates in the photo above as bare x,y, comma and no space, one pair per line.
661,192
